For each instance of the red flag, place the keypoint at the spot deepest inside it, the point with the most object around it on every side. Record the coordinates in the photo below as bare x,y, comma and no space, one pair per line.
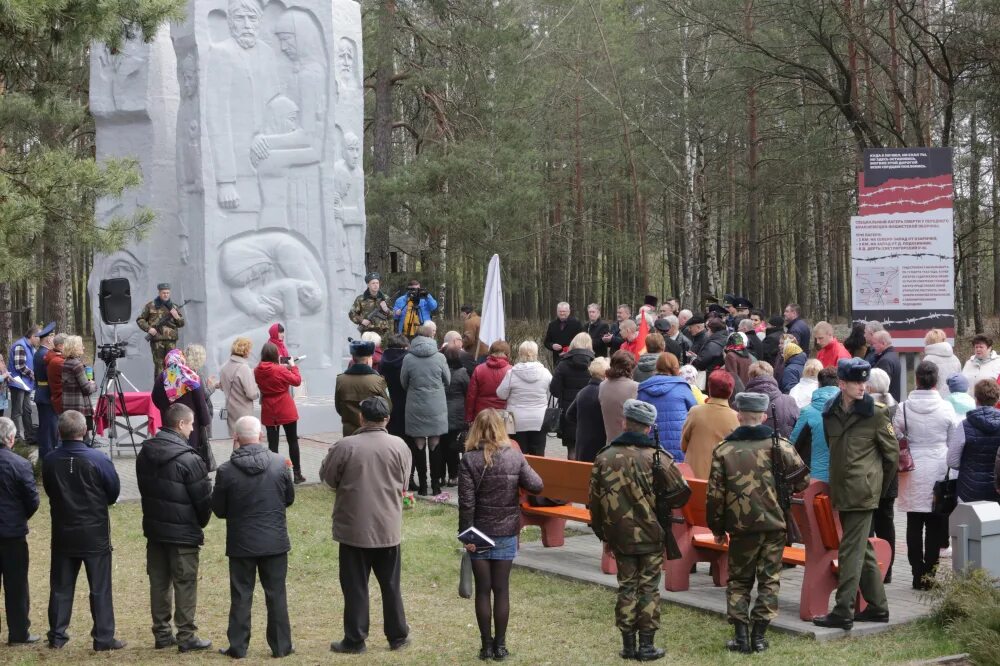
643,331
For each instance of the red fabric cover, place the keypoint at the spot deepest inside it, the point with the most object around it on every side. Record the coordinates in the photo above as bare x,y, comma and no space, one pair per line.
136,404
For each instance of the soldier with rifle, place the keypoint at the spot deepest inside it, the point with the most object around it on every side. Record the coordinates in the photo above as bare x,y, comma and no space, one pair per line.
754,473
370,311
160,319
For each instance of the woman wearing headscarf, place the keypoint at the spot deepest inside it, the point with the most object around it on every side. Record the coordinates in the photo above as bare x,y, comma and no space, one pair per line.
737,359
179,383
277,338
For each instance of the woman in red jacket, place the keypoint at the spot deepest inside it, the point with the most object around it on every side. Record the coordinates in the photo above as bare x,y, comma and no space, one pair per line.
485,380
277,408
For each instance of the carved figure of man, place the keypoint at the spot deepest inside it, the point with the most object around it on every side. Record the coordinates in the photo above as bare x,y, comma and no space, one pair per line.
188,153
242,78
347,79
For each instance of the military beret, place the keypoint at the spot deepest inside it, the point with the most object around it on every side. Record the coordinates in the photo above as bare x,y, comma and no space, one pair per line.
162,286
374,409
661,325
372,276
640,412
361,348
49,329
958,383
752,402
741,303
697,319
853,370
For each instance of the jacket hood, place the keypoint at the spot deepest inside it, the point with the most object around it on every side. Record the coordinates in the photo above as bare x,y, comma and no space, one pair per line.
493,362
251,459
766,385
924,401
423,347
978,362
822,395
166,446
529,371
579,358
984,419
939,349
647,362
393,357
660,385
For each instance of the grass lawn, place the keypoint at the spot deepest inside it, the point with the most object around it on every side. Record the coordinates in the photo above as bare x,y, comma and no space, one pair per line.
553,621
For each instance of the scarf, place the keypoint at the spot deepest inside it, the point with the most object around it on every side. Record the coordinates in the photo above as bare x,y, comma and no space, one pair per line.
738,343
274,340
178,379
791,349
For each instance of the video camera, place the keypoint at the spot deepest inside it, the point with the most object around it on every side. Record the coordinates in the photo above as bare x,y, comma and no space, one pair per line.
416,293
112,351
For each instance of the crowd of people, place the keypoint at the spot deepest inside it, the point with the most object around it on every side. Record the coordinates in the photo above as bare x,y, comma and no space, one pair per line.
634,397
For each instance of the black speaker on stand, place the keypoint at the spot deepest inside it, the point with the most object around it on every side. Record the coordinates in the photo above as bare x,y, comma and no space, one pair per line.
115,301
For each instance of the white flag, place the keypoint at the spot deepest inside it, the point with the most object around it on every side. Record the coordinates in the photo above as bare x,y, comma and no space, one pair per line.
492,325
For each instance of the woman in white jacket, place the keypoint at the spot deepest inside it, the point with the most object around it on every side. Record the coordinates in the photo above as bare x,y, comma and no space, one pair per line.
984,362
926,420
526,390
938,351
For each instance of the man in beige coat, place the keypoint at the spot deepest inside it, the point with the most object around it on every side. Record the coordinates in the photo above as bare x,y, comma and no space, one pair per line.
369,470
708,424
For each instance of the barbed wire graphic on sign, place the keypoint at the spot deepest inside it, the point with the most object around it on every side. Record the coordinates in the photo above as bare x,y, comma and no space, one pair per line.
897,202
912,320
904,254
879,190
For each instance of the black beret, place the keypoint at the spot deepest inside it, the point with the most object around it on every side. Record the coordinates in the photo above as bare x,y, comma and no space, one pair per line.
374,409
661,325
697,319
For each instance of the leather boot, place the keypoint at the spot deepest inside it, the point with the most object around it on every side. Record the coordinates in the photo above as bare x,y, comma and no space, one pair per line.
628,645
500,649
741,642
757,640
486,651
647,650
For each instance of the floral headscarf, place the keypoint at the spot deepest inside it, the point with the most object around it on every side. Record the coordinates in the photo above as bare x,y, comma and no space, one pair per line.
689,373
178,379
737,342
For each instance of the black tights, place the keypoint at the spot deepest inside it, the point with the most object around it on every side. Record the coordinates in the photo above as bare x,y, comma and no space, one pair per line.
492,576
291,435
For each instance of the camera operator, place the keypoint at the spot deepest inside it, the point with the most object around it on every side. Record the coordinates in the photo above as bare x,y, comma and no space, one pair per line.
413,309
370,311
160,319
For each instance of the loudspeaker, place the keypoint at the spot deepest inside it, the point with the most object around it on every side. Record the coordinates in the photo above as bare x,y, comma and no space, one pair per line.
115,301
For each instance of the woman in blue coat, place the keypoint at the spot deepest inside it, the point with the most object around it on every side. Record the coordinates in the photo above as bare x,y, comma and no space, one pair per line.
795,363
672,397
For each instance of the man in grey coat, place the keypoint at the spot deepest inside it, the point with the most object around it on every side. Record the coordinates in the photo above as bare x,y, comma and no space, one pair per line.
369,470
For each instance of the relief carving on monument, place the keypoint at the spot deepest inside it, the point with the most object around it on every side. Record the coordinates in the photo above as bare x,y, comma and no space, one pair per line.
119,77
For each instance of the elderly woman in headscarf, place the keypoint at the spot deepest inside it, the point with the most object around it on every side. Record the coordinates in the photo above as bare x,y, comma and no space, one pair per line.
689,373
179,383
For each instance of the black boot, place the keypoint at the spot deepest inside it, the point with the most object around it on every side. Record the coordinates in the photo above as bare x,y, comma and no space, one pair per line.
500,648
757,640
628,645
647,650
741,643
486,651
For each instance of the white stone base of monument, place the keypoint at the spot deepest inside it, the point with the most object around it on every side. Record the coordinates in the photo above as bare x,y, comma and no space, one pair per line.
316,415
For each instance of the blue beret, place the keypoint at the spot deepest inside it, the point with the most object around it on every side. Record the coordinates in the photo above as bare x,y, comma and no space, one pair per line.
853,370
49,329
362,348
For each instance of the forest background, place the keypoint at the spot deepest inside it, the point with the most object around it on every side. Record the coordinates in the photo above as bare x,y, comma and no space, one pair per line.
605,149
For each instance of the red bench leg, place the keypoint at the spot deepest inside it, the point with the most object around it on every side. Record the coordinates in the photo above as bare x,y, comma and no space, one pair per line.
553,529
818,583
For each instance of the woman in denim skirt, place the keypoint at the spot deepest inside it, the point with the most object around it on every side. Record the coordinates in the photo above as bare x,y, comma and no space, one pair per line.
491,473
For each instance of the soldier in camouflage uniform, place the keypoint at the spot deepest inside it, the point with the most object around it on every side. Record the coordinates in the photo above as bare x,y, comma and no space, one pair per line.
623,514
161,318
743,502
372,300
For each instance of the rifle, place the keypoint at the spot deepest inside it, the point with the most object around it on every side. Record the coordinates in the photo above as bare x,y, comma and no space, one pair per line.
377,314
792,534
165,319
664,499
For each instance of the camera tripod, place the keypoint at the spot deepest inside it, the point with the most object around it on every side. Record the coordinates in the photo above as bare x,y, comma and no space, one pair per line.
110,395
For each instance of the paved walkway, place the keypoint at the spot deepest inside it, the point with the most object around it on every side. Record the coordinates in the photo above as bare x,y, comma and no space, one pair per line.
580,558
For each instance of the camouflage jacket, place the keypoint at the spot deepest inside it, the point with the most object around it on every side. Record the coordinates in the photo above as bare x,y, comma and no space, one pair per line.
742,498
155,312
363,306
622,503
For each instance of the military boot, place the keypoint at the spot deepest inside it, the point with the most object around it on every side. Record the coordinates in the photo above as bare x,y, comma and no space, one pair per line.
628,645
647,650
741,643
757,640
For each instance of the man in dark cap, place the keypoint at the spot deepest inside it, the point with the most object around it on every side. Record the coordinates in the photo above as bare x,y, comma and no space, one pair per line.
370,311
356,384
623,515
160,319
696,334
864,455
369,470
47,435
743,503
664,328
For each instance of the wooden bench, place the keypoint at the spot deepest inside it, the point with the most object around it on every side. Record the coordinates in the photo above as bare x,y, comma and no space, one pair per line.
821,531
567,481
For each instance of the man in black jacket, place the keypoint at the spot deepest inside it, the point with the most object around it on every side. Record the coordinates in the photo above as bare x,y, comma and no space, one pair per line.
712,353
560,332
886,358
18,503
176,505
81,484
252,491
597,329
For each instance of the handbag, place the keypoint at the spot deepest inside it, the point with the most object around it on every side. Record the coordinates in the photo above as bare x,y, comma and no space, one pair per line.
553,414
465,576
945,496
906,463
205,449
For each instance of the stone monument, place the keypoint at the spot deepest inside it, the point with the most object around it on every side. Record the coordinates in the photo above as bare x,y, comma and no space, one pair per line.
265,208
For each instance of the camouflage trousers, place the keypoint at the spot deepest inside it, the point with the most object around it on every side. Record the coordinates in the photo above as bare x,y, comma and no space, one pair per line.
160,349
754,556
638,607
